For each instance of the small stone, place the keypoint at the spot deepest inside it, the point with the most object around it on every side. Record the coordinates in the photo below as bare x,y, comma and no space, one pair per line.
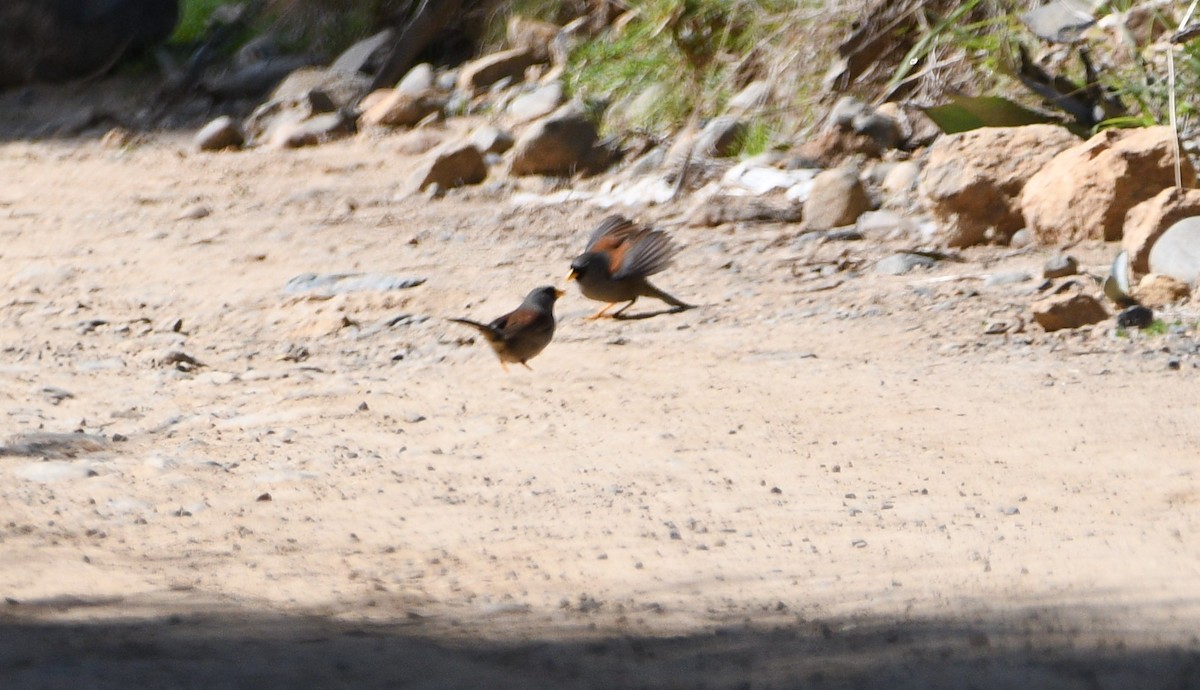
1173,363
263,498
903,262
1060,266
418,80
1008,278
195,213
1021,238
222,133
539,102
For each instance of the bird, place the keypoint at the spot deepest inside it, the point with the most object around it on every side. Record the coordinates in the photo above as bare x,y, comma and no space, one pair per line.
619,257
522,333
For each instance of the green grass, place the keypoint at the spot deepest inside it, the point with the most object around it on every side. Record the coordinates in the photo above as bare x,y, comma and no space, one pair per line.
690,52
193,19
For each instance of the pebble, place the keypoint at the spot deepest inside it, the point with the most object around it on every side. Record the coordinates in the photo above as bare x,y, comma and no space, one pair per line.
1060,266
903,262
1008,278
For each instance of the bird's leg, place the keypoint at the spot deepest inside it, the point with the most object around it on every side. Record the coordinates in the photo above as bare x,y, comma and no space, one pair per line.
504,366
526,366
630,304
600,313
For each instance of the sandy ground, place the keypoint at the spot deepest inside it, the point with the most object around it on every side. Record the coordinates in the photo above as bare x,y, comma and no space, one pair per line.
830,481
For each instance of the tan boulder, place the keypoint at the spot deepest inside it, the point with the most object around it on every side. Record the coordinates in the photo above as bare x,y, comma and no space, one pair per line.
1156,290
452,165
972,180
1086,191
489,69
1147,221
1068,307
402,109
837,198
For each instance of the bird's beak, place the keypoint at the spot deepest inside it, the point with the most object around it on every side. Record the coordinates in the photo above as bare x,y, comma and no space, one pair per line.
559,293
573,275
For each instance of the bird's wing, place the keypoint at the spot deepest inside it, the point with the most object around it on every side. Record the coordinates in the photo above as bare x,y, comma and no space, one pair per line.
648,253
611,233
521,321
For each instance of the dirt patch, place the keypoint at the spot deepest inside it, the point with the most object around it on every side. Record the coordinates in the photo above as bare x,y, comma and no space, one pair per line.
827,478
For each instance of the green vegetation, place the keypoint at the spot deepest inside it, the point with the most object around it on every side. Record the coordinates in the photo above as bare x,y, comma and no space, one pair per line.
685,58
317,26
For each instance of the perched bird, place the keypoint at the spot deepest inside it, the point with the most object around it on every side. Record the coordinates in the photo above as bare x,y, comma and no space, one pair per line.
620,255
522,333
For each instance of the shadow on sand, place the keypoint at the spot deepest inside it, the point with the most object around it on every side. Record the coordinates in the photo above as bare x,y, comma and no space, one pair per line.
235,648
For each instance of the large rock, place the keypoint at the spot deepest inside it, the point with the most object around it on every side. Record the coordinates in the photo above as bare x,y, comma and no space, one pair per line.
44,41
561,143
972,180
1155,290
365,54
1147,221
453,165
341,87
1068,307
1177,252
1086,191
482,73
837,198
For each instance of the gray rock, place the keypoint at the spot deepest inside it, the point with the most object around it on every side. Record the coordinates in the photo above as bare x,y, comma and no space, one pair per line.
364,53
1006,278
883,128
255,79
720,137
490,139
342,87
1021,238
843,112
1060,266
222,133
756,94
418,80
539,102
330,284
54,445
1177,252
837,198
315,130
903,262
452,165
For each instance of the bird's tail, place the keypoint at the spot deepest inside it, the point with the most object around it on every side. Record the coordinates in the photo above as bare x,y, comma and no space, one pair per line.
673,301
487,331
